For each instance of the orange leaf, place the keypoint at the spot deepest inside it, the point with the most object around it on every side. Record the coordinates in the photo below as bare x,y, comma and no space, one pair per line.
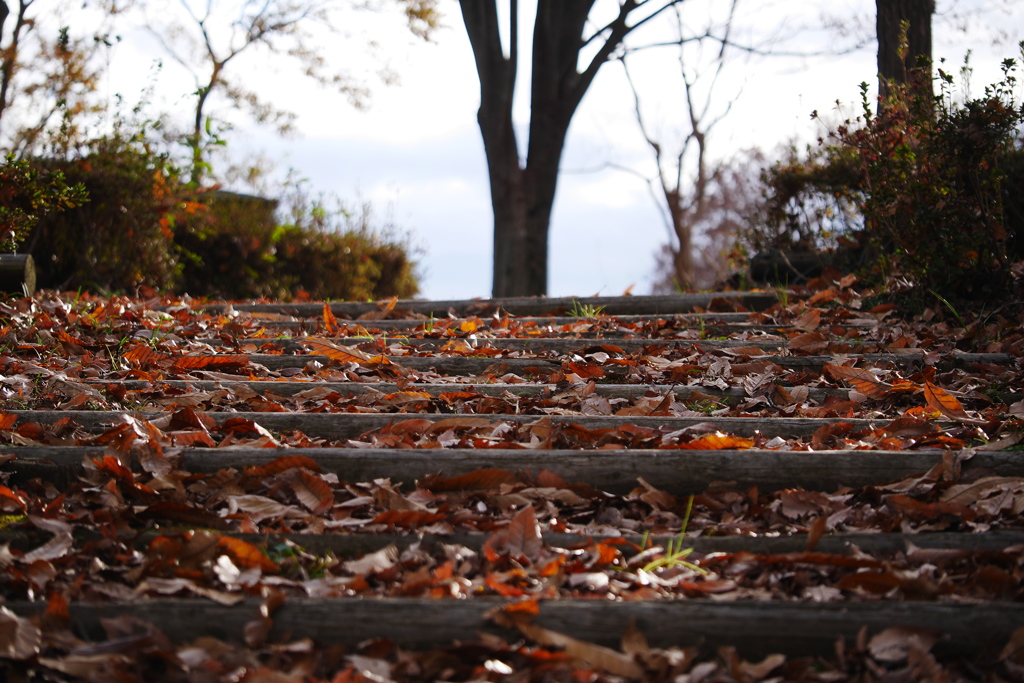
216,363
191,438
490,478
341,354
142,355
716,442
862,380
878,582
57,607
330,322
7,421
928,512
941,400
68,340
246,555
113,467
502,588
809,342
407,519
452,396
585,370
459,423
7,495
528,606
314,493
283,464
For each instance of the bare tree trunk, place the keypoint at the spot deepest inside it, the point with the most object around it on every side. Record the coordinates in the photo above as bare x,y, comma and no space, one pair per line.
890,14
523,192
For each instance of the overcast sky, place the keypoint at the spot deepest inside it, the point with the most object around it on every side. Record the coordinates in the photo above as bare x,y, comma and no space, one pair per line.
416,151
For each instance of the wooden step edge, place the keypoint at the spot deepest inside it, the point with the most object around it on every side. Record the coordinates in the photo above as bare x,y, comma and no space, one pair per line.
353,545
756,629
536,344
352,425
458,364
525,306
679,472
356,545
291,387
710,322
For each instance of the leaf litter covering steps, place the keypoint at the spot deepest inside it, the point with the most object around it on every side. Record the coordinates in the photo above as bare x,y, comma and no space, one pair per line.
531,306
678,471
794,628
902,404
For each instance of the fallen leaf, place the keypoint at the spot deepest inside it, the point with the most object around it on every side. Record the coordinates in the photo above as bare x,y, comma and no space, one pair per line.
19,638
603,658
373,563
246,554
330,322
341,354
489,478
941,400
862,380
894,644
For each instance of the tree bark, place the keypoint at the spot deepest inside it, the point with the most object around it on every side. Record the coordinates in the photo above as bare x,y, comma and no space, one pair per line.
890,14
523,191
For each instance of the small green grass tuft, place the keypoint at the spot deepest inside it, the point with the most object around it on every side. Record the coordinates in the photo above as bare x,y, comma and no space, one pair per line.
579,310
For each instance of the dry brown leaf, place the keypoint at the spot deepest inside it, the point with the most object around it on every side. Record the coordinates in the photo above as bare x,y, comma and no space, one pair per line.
1014,649
340,354
809,342
484,479
634,642
246,554
330,322
56,547
603,658
524,537
375,562
862,380
717,441
313,493
220,363
19,638
941,400
808,321
893,645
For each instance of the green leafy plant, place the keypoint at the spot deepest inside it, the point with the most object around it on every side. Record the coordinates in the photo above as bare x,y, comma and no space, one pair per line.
28,195
916,190
123,237
297,246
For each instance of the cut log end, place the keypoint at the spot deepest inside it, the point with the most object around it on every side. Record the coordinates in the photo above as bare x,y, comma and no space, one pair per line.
17,274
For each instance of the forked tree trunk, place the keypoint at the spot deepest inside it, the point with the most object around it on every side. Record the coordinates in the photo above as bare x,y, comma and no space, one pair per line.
889,16
523,190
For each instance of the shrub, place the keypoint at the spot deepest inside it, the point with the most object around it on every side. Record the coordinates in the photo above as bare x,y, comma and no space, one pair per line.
338,254
123,237
241,251
917,190
231,253
26,196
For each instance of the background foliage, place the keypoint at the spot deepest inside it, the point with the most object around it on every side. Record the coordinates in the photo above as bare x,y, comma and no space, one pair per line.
925,191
